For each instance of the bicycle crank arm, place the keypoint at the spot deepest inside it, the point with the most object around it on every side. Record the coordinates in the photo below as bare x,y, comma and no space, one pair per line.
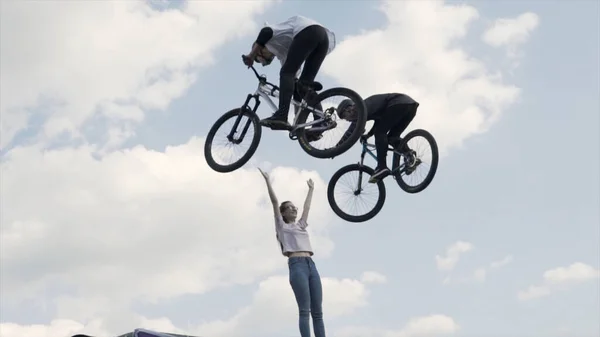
323,128
315,128
302,126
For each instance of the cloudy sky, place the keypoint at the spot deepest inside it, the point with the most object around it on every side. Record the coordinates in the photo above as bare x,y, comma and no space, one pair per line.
111,219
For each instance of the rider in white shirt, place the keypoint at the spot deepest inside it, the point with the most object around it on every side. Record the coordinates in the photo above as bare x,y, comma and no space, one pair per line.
295,41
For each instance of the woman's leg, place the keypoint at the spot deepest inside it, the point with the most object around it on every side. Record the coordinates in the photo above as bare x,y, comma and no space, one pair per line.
299,280
316,301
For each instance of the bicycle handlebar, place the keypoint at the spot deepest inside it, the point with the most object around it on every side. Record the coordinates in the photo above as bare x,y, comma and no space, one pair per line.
261,79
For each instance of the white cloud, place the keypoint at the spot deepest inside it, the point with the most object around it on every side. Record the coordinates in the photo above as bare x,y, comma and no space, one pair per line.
480,274
511,32
453,253
417,50
432,325
99,226
533,292
560,278
429,325
57,328
273,296
501,263
71,61
575,273
373,277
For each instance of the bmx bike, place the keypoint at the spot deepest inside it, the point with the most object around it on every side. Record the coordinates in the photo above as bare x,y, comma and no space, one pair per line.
400,169
309,103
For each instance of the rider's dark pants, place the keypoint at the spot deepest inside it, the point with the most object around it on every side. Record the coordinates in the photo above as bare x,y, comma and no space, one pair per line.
392,123
309,46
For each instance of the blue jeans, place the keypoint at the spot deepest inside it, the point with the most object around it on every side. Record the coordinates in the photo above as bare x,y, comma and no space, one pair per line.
306,283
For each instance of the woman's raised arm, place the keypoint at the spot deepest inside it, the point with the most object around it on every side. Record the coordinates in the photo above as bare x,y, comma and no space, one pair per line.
272,195
308,200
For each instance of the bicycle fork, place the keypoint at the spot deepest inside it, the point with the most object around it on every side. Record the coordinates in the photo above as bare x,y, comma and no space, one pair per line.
360,172
244,108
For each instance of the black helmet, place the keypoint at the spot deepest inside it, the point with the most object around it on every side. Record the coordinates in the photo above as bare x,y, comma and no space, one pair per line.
345,104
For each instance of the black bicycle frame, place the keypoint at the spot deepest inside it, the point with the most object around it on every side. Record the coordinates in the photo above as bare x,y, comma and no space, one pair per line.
366,148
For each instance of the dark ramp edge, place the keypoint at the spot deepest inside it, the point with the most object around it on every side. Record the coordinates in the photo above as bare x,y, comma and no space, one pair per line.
143,333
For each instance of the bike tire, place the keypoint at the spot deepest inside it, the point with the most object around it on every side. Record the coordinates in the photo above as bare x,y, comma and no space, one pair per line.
331,198
346,144
235,113
434,165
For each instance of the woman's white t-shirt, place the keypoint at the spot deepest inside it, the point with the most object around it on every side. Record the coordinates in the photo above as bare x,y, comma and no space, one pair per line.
292,237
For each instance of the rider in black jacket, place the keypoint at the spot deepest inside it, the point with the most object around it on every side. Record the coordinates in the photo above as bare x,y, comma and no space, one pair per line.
392,113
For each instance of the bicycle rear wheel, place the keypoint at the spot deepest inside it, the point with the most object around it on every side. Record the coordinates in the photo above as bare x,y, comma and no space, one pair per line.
414,158
333,123
243,122
356,177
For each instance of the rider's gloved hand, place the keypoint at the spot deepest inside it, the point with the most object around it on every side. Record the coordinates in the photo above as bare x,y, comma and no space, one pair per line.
248,59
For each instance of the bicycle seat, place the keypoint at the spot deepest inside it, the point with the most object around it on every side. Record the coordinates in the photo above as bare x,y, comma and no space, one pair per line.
316,86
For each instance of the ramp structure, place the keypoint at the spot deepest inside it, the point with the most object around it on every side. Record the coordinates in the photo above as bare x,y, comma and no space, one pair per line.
145,333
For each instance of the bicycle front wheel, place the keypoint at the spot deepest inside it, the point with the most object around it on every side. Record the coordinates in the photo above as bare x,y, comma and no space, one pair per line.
352,182
245,127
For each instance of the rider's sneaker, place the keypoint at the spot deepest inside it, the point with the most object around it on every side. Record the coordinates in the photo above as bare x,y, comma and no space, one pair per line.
303,88
276,121
379,174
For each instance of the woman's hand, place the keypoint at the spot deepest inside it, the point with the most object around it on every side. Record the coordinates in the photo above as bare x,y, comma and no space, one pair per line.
264,174
310,183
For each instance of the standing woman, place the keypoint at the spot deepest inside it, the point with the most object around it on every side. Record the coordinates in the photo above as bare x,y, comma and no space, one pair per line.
295,244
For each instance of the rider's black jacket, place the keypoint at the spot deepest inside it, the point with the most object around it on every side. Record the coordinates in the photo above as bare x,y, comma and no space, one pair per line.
377,104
